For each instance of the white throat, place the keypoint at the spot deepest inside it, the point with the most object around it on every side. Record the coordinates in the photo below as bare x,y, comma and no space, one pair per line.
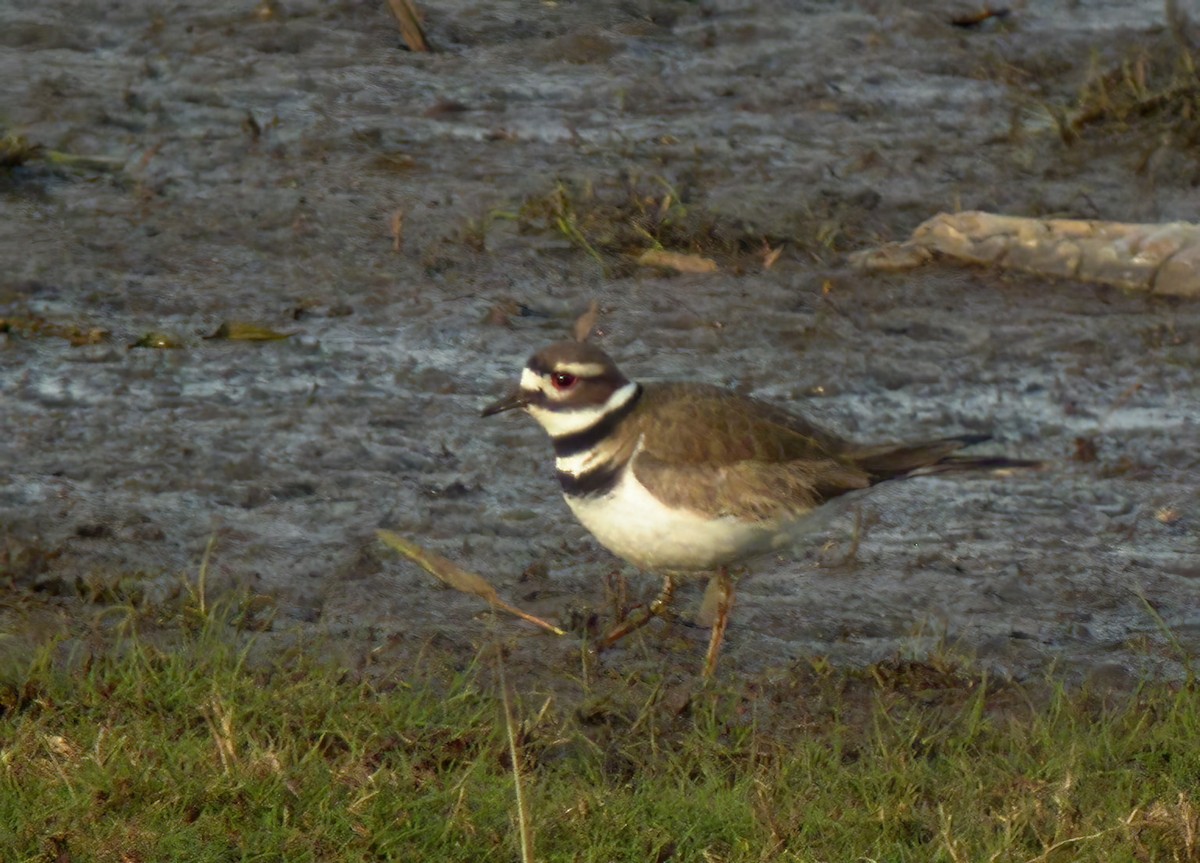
561,422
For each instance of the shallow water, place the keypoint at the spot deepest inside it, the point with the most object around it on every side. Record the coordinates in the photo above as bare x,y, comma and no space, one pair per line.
264,157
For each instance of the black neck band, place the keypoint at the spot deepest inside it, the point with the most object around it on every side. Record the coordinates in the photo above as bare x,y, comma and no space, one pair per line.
582,441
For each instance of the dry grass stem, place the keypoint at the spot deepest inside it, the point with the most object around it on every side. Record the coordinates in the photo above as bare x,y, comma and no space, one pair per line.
524,825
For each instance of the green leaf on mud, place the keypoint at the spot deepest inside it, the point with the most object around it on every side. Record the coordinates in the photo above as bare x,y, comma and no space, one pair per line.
157,341
237,331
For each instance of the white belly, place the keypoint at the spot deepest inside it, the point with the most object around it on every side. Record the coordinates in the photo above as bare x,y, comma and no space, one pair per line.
631,523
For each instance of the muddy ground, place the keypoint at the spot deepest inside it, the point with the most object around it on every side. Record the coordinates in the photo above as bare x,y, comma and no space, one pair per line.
263,152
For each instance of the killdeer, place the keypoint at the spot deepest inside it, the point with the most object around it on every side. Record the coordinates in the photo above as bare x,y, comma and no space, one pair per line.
692,478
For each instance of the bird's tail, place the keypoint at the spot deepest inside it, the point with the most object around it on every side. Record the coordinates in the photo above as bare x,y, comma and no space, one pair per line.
934,457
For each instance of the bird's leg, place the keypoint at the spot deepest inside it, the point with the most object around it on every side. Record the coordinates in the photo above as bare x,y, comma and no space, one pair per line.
617,592
641,616
724,596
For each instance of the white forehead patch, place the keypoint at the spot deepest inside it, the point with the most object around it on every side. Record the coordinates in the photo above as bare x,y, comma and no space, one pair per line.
530,380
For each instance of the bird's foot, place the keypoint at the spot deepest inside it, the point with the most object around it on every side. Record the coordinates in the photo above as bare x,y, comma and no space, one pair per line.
641,615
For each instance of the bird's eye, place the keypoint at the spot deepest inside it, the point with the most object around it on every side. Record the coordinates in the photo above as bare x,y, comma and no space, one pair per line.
563,380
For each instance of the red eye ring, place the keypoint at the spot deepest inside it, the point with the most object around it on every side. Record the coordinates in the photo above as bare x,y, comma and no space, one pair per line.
563,380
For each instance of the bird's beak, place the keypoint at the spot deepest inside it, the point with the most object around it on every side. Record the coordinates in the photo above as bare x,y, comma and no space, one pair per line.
515,399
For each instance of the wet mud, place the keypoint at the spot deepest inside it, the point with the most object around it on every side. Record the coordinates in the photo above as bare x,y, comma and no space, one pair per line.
265,152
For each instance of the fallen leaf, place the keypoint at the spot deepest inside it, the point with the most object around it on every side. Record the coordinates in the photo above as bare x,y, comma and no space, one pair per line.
61,746
680,261
451,574
976,17
499,315
585,322
93,336
1167,515
397,226
442,568
1086,450
158,341
236,331
770,256
409,17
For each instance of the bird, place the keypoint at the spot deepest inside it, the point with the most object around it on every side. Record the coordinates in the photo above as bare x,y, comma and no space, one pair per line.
689,478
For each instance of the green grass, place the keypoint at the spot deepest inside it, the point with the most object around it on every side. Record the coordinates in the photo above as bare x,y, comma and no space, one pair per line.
613,220
112,748
1155,91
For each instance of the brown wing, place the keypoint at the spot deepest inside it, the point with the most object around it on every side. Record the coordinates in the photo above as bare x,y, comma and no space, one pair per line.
760,463
748,489
685,416
765,462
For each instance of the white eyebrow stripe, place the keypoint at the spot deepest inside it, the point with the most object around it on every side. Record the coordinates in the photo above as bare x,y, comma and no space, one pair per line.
581,370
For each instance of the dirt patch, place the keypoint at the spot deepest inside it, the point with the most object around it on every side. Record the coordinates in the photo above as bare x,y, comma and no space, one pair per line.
265,158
